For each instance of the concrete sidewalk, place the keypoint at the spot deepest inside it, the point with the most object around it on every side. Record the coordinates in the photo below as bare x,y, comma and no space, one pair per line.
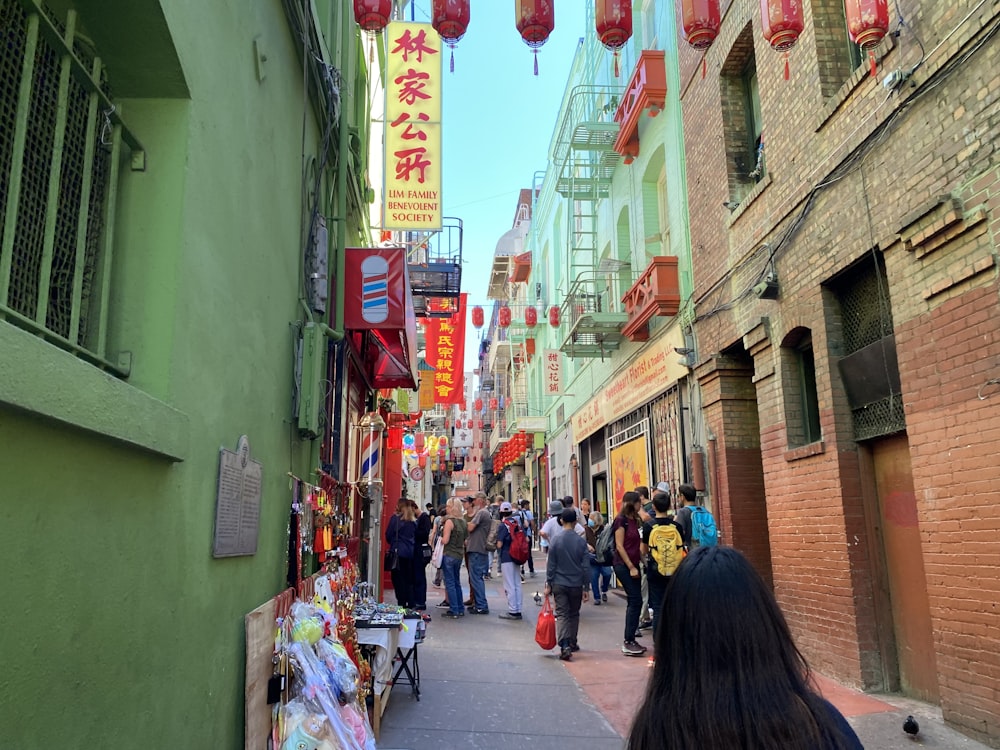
486,684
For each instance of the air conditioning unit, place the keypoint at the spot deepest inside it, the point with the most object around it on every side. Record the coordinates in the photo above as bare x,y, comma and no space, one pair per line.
312,359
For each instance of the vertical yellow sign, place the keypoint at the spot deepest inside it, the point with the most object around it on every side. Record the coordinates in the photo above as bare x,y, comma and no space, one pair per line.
413,128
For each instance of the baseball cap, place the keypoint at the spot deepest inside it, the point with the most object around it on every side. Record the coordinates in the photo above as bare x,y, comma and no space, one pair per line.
663,487
504,507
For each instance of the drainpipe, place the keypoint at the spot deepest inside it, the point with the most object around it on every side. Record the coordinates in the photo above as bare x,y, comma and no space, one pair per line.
343,144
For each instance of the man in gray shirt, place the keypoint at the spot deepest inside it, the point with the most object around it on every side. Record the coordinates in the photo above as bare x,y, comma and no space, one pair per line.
479,527
566,574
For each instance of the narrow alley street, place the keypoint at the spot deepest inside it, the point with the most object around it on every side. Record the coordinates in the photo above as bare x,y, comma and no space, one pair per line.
486,685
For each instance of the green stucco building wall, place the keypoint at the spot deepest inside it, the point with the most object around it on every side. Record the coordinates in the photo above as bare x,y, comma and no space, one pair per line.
117,626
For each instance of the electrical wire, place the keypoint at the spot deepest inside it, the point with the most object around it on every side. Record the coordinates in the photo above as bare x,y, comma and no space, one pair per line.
848,165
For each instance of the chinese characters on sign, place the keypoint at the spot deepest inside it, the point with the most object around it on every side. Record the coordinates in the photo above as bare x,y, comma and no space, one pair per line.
446,353
553,372
413,128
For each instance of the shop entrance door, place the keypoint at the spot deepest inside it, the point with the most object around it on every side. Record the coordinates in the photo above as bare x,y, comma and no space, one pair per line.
910,608
600,490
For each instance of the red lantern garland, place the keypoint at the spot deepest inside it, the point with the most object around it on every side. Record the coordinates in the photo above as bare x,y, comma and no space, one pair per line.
867,23
535,20
504,317
372,15
701,24
613,20
554,316
530,317
450,18
477,316
782,23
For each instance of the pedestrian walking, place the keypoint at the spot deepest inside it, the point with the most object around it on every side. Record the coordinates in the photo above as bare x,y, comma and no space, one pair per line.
528,523
400,538
479,528
565,580
645,516
600,561
662,550
728,669
454,533
626,563
421,556
508,568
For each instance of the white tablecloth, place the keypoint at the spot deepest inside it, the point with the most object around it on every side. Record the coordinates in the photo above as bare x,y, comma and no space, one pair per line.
386,641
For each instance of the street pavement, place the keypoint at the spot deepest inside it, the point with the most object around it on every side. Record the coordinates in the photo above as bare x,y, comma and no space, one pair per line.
486,685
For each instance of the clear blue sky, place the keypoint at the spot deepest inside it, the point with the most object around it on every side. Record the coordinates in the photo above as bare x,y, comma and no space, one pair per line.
498,121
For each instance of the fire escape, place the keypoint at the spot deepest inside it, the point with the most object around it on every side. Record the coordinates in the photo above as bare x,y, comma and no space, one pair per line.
585,160
434,262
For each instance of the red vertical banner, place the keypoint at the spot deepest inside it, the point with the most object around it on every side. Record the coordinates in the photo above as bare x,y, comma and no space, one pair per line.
446,353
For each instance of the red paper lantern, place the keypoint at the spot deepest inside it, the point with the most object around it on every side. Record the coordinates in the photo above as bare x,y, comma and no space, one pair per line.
867,23
701,22
613,20
479,404
479,424
504,317
554,316
782,23
477,316
372,15
450,18
494,403
535,20
530,317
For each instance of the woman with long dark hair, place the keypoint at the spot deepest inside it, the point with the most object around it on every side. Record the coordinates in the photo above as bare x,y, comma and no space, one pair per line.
625,560
400,535
727,672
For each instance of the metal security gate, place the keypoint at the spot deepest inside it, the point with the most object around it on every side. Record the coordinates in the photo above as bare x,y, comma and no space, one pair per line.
60,148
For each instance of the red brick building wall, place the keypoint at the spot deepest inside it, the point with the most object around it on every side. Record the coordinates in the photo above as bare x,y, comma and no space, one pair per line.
853,170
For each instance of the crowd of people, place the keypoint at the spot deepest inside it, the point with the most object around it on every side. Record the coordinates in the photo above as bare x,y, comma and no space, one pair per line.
726,661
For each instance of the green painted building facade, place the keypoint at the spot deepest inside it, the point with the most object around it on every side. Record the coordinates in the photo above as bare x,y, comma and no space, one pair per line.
139,339
597,221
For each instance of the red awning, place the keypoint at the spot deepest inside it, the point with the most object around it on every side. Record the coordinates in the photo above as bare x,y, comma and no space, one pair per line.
378,315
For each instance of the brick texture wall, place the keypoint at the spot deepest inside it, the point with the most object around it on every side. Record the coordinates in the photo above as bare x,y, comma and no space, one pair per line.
852,169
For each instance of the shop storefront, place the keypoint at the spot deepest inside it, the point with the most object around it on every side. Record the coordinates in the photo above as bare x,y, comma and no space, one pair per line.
638,429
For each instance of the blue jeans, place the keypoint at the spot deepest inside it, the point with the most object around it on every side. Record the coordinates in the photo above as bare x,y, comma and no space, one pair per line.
597,585
451,567
479,565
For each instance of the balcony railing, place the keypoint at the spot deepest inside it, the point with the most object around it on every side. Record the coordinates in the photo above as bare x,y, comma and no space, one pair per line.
647,90
592,316
657,292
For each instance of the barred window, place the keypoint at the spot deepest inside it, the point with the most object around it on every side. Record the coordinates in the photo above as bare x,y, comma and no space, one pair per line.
62,143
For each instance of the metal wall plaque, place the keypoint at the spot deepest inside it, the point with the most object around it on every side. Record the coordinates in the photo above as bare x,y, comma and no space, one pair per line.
237,502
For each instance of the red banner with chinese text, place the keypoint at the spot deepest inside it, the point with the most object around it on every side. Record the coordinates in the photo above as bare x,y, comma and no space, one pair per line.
446,353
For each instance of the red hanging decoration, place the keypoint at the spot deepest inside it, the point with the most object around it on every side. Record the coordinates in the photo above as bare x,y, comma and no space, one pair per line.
450,18
477,316
535,20
554,316
782,23
613,20
701,20
867,24
530,317
372,15
504,317
479,404
494,403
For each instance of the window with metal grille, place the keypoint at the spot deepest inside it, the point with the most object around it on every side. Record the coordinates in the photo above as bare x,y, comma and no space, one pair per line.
869,369
61,144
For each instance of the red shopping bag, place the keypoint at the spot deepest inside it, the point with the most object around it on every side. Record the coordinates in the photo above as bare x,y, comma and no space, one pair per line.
545,628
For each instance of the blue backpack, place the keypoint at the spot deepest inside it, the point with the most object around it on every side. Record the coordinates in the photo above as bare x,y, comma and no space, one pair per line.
703,530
